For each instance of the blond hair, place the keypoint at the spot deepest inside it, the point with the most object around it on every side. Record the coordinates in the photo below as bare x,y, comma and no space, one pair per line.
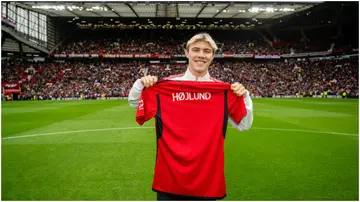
202,37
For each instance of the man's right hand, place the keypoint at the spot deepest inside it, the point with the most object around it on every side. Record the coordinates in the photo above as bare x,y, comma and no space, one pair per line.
148,81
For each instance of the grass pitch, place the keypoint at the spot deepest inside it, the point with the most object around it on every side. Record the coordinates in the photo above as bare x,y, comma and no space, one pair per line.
297,149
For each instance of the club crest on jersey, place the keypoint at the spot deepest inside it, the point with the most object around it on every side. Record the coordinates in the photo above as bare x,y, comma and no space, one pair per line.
183,96
141,105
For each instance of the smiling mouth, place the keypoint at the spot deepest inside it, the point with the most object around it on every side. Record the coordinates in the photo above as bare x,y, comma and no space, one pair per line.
200,62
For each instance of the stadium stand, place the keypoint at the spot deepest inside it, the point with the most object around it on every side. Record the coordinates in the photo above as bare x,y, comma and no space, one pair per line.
303,54
111,79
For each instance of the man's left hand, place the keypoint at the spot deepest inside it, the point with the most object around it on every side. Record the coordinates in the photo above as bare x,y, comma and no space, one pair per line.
238,89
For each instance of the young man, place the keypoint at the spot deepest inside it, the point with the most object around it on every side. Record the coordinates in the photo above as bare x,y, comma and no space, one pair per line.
200,51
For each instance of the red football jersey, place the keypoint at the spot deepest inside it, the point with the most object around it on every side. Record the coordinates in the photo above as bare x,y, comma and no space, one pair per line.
191,121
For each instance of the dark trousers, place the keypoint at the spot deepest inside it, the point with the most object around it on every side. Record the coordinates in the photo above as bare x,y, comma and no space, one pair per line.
172,197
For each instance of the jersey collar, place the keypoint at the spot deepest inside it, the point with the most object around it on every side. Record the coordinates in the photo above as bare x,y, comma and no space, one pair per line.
190,77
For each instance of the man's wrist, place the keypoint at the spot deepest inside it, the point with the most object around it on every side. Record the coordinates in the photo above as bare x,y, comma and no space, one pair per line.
138,85
247,94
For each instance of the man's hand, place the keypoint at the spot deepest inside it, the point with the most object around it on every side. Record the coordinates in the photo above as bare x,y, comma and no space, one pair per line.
238,89
148,81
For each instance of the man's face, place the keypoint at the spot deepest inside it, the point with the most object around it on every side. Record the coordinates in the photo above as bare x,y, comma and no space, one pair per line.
200,55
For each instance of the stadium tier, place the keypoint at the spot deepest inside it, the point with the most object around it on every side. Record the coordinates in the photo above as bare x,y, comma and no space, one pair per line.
52,80
273,53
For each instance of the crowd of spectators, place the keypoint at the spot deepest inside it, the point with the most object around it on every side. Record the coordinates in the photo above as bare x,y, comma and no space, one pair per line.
161,42
120,46
93,79
171,47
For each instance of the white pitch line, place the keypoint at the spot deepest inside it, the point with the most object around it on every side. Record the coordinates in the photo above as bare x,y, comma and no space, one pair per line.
74,131
130,128
306,131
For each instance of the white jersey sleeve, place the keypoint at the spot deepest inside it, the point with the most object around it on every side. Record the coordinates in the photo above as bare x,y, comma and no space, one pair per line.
135,93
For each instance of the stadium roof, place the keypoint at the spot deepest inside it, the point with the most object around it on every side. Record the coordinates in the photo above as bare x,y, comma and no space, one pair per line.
169,9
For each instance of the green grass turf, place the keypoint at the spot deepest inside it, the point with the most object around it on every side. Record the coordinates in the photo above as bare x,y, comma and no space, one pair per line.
261,164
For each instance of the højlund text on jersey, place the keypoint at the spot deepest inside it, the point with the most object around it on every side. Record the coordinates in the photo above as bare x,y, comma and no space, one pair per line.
182,96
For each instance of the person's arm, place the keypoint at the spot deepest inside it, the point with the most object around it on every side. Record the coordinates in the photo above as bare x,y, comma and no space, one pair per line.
247,120
135,93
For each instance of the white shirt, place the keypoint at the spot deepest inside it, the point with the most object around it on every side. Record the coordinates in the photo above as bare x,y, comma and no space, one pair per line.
245,123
